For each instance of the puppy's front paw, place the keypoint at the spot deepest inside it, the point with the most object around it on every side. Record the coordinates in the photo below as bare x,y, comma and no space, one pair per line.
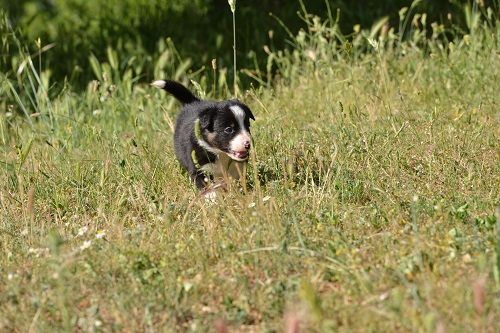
210,196
210,192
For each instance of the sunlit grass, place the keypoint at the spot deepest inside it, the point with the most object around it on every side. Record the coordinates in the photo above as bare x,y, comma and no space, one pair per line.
372,201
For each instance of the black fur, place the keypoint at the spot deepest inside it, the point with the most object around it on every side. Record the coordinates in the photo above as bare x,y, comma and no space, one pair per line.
215,118
180,92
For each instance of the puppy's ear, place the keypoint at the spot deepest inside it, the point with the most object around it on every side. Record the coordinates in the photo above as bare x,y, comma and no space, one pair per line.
207,119
248,111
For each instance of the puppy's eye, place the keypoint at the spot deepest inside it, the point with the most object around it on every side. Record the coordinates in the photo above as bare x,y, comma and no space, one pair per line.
229,130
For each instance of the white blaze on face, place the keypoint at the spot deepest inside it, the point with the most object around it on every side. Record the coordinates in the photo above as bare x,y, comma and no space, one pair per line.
237,144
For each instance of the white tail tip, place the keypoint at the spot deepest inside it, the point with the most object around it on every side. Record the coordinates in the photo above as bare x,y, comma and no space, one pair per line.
158,84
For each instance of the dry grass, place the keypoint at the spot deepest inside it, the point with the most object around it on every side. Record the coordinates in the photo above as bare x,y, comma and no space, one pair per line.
372,205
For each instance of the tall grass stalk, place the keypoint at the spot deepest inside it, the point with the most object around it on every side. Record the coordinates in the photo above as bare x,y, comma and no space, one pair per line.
232,5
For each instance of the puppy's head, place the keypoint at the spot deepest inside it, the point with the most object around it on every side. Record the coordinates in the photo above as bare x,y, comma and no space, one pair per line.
226,127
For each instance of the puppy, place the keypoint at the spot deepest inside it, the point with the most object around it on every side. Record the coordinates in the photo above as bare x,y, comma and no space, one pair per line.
212,138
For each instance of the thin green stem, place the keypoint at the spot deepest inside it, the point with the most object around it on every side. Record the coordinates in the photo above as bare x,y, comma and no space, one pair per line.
234,54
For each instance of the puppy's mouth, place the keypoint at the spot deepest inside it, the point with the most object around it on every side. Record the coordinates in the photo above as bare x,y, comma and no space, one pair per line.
238,155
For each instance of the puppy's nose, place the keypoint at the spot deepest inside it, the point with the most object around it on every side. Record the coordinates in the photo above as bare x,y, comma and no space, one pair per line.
247,145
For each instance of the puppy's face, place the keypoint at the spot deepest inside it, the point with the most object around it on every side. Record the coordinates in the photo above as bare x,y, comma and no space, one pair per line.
226,128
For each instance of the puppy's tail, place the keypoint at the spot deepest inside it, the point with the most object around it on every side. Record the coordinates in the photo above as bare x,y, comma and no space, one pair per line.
181,93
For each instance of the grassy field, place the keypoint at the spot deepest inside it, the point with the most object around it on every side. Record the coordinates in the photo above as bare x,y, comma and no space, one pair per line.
371,205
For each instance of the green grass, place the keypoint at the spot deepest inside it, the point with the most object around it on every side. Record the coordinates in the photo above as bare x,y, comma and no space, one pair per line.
372,202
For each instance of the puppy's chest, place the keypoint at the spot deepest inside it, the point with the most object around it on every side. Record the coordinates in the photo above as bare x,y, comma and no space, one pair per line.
225,167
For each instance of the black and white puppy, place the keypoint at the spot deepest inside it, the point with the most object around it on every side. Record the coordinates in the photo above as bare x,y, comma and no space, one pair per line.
210,136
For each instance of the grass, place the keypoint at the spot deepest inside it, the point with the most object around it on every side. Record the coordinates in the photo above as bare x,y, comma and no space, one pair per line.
372,202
